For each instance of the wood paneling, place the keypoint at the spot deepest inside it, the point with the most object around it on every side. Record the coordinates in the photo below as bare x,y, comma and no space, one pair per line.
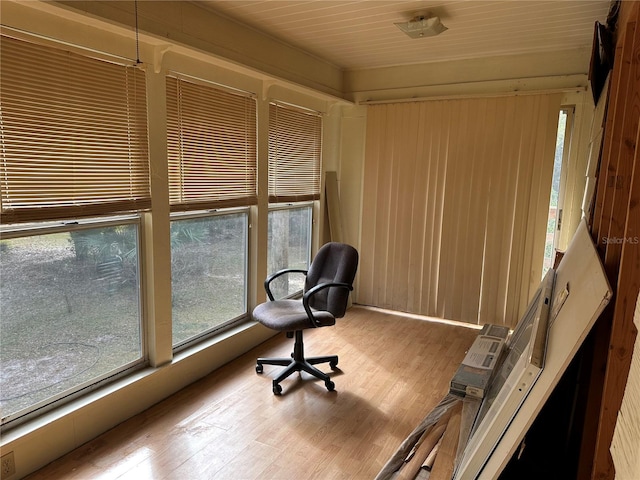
616,228
445,460
626,438
362,34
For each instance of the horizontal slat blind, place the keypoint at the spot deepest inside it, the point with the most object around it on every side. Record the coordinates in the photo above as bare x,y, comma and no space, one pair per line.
295,148
456,197
211,142
73,133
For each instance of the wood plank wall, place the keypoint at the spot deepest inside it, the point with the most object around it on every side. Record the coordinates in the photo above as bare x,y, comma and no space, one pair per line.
615,228
626,439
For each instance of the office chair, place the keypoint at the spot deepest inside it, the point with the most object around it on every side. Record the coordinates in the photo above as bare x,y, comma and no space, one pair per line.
325,295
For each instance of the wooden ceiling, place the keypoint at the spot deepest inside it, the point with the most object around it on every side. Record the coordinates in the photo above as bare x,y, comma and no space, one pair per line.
361,34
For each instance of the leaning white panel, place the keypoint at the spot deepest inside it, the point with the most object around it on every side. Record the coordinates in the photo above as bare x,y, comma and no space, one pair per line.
514,378
581,274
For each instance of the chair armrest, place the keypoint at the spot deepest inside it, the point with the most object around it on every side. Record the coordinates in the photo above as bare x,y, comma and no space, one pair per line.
312,291
272,277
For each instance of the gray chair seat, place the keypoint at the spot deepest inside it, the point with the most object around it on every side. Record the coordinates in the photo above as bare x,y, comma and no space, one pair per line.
290,315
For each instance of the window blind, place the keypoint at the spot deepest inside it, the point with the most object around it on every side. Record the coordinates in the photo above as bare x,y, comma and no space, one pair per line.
457,200
295,147
73,134
211,142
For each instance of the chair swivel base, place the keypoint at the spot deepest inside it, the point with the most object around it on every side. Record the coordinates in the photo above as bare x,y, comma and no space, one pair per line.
297,363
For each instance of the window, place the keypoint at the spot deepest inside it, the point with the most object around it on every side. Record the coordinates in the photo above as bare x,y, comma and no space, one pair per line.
73,144
554,220
208,273
211,138
289,246
295,148
70,310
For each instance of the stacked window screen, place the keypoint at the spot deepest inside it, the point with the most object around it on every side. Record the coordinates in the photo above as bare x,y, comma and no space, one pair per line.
73,134
295,148
211,144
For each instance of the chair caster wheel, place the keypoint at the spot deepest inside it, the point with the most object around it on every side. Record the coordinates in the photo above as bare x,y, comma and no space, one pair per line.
258,368
333,365
330,385
277,389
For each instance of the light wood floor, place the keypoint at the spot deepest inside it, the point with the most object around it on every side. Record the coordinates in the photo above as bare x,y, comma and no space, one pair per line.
229,425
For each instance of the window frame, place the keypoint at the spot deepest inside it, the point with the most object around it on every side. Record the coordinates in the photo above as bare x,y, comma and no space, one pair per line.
235,321
569,112
311,204
13,231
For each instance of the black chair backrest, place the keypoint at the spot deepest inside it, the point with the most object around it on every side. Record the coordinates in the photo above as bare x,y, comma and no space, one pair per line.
334,262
